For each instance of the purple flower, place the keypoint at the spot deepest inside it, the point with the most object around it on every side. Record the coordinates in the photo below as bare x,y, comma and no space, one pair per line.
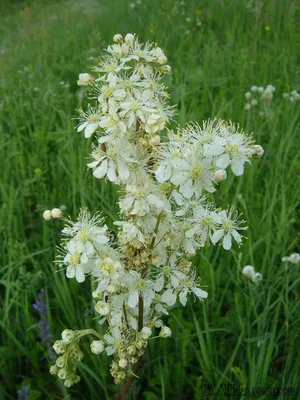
45,333
23,394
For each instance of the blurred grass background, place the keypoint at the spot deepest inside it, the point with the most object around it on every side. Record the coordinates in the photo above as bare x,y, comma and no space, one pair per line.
243,333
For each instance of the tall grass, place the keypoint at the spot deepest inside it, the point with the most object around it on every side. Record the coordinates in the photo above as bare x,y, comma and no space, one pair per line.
243,334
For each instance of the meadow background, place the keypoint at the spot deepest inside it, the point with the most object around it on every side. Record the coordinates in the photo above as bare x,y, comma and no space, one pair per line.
244,333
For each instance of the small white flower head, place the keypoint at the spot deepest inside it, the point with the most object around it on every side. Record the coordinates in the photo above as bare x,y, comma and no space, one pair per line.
248,95
118,38
123,363
260,89
248,107
146,332
85,79
102,308
293,258
165,332
56,213
47,215
253,102
254,89
220,175
257,277
248,272
257,151
68,336
97,346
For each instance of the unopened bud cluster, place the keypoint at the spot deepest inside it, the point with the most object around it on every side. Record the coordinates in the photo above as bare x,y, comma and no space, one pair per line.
164,178
68,354
55,213
250,273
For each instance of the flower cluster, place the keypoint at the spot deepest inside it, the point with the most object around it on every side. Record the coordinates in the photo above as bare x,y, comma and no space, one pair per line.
293,96
293,258
250,273
257,95
164,181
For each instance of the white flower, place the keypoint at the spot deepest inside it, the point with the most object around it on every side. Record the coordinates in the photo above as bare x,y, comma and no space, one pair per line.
130,233
232,149
88,231
229,226
112,163
109,273
293,258
140,201
137,287
248,271
77,260
112,340
102,308
90,122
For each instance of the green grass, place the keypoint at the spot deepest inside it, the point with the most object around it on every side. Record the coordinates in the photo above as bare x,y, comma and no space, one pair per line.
43,165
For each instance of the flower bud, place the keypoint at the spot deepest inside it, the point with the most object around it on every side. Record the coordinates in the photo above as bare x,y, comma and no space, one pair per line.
53,369
257,277
59,347
162,59
97,346
118,38
254,89
155,140
129,38
47,215
102,308
112,288
165,332
248,95
131,350
85,79
166,69
248,271
56,213
62,373
123,363
68,335
146,332
220,175
69,382
257,151
60,361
